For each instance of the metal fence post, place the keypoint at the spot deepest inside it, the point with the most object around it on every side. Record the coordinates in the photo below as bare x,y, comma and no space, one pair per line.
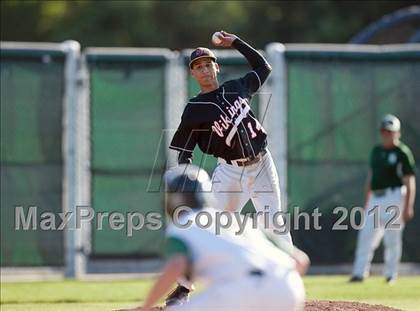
74,258
276,113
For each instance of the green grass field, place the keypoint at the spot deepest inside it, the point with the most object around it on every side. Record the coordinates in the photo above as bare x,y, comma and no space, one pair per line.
109,295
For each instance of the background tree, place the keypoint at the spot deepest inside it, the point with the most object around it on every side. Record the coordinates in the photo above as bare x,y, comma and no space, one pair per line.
181,24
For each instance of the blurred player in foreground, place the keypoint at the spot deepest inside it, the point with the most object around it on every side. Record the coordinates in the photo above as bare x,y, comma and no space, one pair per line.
240,272
391,190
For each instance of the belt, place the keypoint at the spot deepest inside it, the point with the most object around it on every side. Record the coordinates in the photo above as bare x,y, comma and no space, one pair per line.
256,272
248,161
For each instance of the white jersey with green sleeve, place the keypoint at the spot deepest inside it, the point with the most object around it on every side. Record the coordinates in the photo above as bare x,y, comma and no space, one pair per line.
225,256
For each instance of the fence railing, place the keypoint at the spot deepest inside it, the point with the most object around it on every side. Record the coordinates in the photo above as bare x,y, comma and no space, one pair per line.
91,129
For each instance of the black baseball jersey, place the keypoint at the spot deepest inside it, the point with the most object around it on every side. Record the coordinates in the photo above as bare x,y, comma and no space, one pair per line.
221,122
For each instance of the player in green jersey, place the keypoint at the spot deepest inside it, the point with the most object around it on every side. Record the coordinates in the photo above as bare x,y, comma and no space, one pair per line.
390,194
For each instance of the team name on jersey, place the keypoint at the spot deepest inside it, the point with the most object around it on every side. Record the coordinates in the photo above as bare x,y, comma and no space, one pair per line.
223,123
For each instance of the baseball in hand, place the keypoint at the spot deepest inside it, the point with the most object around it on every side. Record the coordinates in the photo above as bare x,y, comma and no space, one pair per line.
216,38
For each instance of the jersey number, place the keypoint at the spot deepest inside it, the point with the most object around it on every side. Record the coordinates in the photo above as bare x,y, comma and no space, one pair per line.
253,134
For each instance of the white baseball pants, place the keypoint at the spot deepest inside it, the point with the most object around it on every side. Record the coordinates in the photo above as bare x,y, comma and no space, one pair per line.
233,186
371,234
276,290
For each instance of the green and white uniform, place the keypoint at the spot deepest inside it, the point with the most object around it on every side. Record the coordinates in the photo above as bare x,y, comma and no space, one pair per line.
388,167
240,272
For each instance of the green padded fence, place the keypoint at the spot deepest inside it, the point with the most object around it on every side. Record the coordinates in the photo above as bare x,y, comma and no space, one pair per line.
335,103
32,87
127,118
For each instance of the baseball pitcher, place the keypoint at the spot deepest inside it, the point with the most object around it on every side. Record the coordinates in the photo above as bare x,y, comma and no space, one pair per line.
220,121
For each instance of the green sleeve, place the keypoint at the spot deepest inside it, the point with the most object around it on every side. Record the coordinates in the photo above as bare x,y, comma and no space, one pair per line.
175,246
408,163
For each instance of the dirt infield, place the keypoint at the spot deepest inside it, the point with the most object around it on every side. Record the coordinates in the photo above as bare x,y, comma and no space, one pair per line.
328,305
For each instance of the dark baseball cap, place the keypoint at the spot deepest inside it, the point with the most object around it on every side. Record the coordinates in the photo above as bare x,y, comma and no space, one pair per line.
201,53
